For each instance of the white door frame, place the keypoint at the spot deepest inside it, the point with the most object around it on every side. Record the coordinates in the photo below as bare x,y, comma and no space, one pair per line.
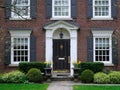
72,29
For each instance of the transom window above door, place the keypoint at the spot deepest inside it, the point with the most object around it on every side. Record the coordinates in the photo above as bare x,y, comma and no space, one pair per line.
61,8
101,8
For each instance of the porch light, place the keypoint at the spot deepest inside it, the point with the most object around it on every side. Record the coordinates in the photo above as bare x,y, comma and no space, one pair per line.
61,34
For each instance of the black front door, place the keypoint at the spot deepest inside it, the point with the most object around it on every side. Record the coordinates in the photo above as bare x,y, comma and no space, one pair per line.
61,54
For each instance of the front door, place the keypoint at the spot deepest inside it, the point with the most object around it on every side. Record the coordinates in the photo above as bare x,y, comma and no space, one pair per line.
61,54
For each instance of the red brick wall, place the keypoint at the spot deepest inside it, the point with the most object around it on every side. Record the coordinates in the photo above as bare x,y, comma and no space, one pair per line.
37,25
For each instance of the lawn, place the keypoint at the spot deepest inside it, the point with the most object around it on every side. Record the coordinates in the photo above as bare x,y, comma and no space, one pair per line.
95,87
23,86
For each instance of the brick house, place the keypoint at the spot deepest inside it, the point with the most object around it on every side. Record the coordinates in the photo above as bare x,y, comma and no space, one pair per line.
60,31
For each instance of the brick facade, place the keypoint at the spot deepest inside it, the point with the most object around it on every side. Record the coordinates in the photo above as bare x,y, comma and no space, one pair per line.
38,23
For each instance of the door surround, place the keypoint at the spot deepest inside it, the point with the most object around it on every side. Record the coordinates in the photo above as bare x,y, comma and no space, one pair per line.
72,29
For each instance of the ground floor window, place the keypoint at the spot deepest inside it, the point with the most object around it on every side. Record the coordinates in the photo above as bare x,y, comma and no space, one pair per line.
102,46
20,49
20,46
102,49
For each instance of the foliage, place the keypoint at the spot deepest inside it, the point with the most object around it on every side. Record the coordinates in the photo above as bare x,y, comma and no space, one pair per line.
87,76
114,77
14,77
94,66
25,66
24,86
1,78
76,64
101,78
48,64
34,75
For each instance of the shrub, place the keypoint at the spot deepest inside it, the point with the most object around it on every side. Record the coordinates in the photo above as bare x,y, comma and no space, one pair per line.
101,78
34,75
1,78
25,66
114,77
14,77
94,66
87,76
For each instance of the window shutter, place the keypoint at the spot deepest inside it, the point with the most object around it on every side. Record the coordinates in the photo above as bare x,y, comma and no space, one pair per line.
33,8
114,8
89,9
48,9
74,8
114,51
90,49
32,48
7,50
8,8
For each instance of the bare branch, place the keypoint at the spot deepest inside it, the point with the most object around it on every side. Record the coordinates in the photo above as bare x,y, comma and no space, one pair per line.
12,7
2,6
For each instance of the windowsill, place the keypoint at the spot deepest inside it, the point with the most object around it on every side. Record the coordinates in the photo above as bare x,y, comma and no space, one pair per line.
19,18
108,64
102,19
13,65
61,19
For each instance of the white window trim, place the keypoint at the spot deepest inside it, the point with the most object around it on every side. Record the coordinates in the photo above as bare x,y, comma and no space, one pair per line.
19,34
109,17
101,34
20,17
61,17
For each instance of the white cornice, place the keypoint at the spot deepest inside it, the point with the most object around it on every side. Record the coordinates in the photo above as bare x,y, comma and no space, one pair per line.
102,32
20,33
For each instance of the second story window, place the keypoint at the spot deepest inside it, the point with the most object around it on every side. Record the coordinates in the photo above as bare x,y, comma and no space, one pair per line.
101,8
21,8
61,8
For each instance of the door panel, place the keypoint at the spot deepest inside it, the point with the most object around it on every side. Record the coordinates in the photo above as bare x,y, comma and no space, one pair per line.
61,54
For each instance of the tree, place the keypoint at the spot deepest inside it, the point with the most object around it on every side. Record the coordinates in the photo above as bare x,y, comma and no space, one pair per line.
13,8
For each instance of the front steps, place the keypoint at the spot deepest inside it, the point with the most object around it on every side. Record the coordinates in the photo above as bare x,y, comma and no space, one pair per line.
61,76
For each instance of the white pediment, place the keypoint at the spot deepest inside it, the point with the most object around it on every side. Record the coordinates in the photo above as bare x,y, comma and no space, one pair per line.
61,24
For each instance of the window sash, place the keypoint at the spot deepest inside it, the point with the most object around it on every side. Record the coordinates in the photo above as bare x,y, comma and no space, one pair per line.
21,10
20,51
61,10
101,10
102,49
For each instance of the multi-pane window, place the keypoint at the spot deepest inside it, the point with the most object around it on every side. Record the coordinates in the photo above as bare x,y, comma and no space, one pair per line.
20,49
102,49
102,8
61,8
21,8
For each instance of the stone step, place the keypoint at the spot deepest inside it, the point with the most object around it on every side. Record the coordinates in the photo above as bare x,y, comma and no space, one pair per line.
61,77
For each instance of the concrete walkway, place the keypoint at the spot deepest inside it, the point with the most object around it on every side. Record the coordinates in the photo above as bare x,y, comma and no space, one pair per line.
67,85
61,85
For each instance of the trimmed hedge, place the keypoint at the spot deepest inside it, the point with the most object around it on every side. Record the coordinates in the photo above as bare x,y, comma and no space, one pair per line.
111,78
1,77
94,66
101,78
13,77
26,66
87,76
114,77
34,75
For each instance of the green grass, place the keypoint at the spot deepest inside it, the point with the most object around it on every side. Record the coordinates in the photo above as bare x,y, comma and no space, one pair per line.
95,87
23,86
